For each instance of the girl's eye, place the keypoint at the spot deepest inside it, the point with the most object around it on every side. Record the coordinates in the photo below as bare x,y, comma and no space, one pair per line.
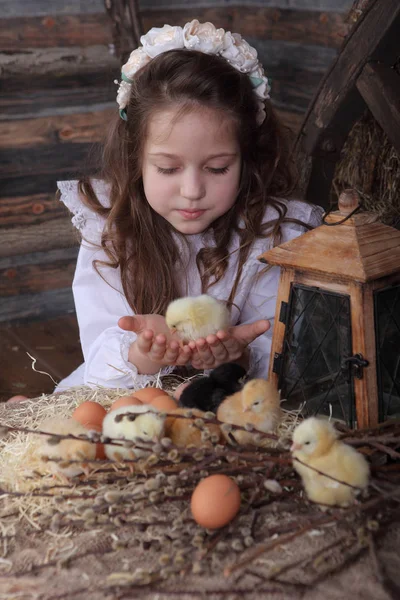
171,170
220,171
166,171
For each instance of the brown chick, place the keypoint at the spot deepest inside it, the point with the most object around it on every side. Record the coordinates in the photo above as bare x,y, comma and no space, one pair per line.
68,449
315,443
183,432
257,403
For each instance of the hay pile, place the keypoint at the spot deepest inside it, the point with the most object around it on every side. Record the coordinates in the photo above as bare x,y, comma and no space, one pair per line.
122,535
370,164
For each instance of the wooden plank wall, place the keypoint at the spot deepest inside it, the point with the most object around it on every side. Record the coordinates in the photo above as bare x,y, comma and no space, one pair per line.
56,78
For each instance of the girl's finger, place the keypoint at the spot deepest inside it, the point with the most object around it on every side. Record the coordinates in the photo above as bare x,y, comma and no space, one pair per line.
158,348
245,334
232,345
217,348
136,323
198,365
127,323
171,354
196,361
144,341
185,355
205,353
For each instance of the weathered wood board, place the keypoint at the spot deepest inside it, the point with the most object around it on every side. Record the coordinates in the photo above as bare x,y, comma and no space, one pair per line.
41,7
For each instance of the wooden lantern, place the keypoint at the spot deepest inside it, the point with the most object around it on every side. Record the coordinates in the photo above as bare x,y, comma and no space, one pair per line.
336,341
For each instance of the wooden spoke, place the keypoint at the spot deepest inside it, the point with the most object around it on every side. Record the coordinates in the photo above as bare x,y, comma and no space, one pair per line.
379,85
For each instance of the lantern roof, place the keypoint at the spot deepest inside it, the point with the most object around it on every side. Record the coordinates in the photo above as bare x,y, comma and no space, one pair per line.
359,249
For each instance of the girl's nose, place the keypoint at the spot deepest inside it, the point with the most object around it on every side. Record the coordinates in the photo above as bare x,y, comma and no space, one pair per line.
192,186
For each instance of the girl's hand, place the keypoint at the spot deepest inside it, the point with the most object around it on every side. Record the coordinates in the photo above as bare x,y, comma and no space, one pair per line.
155,346
140,323
225,346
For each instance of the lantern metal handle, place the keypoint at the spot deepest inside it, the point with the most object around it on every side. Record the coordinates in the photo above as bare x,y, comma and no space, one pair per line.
355,364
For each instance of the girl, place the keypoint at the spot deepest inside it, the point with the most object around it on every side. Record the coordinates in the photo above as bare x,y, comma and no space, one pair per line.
194,186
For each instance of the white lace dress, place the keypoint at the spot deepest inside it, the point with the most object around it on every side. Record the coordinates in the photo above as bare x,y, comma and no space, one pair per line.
100,301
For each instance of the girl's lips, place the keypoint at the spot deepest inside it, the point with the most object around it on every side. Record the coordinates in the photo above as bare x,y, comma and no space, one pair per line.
191,214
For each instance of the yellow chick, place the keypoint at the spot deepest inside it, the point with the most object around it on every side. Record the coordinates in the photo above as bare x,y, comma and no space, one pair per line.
258,403
183,433
68,449
315,443
138,424
197,316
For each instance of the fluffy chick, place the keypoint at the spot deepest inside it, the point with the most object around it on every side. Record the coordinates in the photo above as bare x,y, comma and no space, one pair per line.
184,433
315,443
137,424
257,403
193,317
66,450
206,393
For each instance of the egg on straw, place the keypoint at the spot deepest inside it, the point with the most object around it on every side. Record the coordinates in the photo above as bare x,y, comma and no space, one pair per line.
215,501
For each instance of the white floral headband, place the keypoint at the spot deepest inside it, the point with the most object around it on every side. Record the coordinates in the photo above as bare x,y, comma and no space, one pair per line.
203,37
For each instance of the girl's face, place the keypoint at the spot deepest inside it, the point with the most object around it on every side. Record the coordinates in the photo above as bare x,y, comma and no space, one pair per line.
191,167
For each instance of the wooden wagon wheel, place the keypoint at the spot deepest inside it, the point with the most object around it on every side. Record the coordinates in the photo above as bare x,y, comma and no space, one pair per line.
363,75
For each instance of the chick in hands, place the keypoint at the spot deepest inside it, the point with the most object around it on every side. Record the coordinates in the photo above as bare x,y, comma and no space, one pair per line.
315,444
196,317
63,450
258,403
138,424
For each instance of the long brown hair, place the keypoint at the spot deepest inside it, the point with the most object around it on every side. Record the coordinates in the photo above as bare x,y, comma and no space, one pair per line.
138,240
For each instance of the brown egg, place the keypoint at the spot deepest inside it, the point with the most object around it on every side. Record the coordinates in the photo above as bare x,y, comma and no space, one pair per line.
215,501
124,401
146,395
91,415
18,398
166,403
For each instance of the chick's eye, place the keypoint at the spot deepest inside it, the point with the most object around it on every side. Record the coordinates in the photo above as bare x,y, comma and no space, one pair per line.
306,443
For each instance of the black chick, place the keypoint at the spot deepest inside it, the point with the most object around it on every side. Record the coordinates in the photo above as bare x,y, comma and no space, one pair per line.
207,392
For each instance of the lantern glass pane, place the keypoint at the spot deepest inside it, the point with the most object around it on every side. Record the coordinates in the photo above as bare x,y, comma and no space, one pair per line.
387,333
317,339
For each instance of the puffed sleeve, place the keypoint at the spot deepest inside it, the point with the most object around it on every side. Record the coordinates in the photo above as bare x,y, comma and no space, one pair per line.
261,286
89,224
100,302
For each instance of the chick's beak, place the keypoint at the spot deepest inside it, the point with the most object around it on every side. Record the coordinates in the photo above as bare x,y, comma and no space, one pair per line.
173,330
294,447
